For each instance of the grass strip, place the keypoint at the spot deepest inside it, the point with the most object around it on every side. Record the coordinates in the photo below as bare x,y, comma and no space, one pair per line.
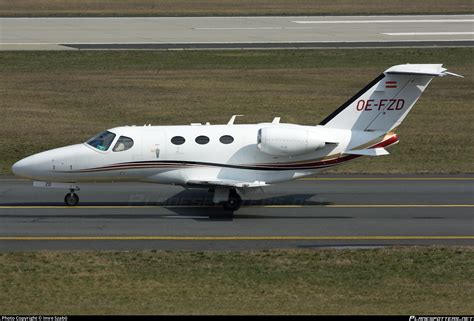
400,280
50,99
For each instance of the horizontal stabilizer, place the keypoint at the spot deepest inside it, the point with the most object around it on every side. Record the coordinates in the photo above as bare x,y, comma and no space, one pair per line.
368,152
421,69
229,183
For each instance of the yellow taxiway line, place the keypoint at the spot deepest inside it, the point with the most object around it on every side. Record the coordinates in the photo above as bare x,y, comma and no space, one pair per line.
229,238
250,206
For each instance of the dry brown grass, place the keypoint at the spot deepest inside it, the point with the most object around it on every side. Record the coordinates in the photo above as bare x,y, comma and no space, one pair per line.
227,7
414,280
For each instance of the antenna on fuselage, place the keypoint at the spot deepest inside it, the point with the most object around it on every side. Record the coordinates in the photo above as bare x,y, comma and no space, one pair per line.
232,119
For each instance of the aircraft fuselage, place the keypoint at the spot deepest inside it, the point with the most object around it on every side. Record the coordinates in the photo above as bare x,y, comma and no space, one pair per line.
155,158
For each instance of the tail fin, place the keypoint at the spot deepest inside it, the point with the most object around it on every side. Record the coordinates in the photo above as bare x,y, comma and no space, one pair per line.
385,102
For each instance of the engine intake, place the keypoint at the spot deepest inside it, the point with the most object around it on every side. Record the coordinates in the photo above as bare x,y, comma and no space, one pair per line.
282,141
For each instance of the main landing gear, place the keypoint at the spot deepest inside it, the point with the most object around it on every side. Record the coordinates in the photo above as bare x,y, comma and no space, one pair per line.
234,201
228,197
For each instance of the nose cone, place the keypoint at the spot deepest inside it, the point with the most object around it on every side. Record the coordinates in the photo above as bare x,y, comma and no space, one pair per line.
33,167
52,164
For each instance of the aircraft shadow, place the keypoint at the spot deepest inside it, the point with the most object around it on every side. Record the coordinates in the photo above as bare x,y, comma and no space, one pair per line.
195,205
190,198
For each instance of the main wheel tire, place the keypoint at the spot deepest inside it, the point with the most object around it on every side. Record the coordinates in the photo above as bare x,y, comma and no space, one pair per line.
234,202
71,199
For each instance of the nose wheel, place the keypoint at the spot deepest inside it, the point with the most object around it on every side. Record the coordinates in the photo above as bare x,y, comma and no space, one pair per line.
71,199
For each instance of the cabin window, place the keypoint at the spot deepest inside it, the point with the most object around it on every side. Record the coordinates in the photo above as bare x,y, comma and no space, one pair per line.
123,143
226,139
202,140
178,140
102,141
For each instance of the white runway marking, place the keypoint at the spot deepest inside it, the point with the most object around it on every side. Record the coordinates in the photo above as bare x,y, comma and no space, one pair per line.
385,21
256,28
240,28
426,33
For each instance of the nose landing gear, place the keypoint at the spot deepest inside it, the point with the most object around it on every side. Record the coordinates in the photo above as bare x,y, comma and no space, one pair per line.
71,199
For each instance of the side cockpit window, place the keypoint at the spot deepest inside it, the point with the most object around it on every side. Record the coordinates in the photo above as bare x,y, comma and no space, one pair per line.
123,143
102,141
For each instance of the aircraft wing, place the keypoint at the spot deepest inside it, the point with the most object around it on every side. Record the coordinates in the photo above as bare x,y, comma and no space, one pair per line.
228,183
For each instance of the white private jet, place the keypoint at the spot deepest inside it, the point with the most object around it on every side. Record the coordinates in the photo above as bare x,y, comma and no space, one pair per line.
232,158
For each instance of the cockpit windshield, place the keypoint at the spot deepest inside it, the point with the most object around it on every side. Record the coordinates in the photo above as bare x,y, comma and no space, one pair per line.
102,141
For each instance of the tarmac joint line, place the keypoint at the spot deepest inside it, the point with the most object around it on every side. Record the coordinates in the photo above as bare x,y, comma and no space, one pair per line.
230,238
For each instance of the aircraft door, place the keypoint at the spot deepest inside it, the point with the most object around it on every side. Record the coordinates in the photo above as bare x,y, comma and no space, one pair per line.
138,150
136,155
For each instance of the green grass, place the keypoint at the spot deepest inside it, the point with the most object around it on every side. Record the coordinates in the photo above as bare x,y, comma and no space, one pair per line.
12,8
50,99
413,280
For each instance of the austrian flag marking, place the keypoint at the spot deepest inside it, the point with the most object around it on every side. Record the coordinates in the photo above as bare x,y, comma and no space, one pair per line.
390,84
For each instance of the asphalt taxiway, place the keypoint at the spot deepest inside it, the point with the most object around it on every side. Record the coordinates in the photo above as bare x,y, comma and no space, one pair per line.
329,211
72,33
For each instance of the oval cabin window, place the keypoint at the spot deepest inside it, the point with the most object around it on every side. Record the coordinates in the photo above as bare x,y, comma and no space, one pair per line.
226,139
178,140
202,140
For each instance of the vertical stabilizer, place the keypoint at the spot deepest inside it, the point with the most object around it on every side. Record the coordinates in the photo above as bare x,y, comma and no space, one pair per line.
385,102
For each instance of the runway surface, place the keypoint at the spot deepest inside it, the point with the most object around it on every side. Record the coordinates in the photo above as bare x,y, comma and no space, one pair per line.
235,32
330,211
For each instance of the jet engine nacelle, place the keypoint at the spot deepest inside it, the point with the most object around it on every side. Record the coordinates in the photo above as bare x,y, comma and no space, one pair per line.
287,141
